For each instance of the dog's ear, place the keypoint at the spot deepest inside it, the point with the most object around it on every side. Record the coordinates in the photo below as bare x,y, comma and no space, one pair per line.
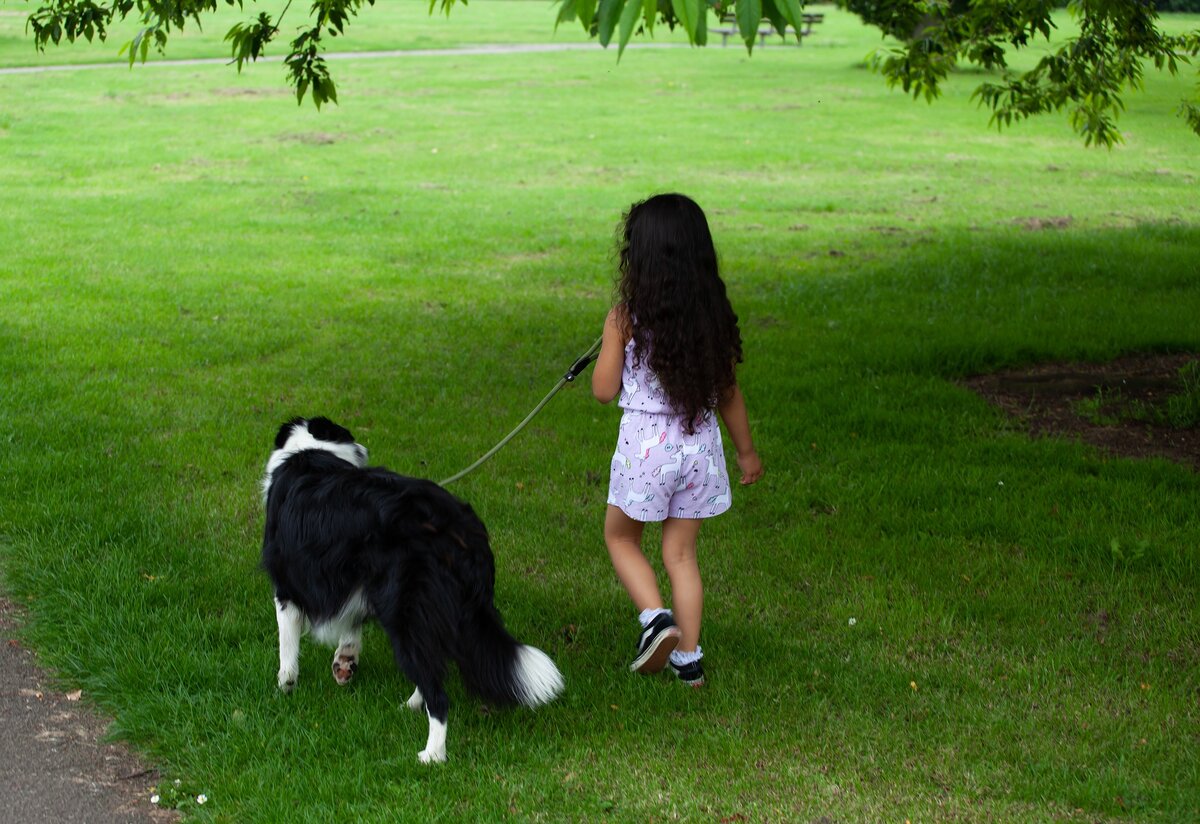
285,432
324,429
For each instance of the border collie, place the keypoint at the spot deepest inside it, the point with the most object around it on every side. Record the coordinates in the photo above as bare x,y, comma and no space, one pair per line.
345,542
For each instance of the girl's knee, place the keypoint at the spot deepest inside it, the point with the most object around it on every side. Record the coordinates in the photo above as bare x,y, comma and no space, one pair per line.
678,554
679,541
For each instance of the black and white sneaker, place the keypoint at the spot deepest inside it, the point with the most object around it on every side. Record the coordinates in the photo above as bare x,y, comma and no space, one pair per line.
692,674
658,640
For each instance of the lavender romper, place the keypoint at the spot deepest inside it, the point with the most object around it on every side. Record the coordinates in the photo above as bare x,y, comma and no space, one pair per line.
659,471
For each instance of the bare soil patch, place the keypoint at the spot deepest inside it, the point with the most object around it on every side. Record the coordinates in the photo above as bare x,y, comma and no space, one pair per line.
1047,398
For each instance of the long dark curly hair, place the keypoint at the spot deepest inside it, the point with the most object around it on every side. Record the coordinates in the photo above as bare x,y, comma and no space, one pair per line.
681,320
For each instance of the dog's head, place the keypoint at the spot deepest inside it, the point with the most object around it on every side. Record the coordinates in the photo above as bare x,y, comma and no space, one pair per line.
300,434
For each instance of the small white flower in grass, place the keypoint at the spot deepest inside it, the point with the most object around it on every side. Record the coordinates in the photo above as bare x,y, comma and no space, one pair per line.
853,621
154,799
201,799
178,782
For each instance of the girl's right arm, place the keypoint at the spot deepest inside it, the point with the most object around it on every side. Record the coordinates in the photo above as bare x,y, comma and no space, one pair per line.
606,374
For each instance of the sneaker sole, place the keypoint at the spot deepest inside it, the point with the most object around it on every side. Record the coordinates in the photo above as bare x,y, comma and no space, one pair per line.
655,658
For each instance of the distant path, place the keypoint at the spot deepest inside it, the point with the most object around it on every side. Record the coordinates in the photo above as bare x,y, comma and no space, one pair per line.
511,48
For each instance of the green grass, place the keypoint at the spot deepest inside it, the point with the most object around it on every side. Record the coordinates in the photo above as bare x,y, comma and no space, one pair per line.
1183,408
190,258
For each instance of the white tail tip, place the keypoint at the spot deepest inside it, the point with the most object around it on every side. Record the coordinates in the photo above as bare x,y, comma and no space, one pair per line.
538,680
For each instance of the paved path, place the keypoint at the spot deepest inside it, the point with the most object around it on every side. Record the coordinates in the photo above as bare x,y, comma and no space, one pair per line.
54,768
512,48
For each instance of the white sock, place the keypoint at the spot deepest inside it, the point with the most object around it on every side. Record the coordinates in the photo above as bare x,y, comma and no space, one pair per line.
680,659
648,615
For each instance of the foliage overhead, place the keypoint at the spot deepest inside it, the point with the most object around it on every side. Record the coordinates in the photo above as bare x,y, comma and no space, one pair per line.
1085,74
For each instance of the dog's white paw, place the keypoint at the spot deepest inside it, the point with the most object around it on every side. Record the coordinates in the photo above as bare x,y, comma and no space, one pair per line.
432,756
415,702
344,667
287,679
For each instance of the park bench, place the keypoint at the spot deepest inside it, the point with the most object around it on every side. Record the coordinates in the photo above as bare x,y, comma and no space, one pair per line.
729,28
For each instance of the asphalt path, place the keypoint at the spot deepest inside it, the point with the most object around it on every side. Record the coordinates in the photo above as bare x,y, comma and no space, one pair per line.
512,48
55,767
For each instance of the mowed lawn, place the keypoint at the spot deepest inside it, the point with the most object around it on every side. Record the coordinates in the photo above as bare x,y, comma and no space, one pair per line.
919,614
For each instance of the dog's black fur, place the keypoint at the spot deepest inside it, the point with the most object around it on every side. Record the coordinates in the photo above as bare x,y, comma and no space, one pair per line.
344,542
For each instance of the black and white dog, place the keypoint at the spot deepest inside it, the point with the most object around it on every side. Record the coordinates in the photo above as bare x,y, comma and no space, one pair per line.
345,542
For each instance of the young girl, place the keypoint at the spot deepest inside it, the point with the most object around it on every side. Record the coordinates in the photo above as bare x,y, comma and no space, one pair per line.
669,350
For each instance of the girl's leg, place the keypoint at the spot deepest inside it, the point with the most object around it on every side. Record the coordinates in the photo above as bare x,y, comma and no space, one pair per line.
623,535
687,592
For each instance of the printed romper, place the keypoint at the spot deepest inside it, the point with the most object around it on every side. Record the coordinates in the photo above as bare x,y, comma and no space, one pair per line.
658,470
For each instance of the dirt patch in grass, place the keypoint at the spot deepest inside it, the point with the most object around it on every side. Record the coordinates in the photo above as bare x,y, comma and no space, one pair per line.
1119,406
1039,224
311,138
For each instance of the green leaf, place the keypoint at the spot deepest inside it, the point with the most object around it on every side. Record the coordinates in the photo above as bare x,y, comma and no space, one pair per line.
609,11
649,12
687,12
790,9
771,12
138,45
630,15
749,15
586,9
566,13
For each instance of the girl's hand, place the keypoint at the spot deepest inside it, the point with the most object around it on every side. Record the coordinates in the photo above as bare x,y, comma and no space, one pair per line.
751,466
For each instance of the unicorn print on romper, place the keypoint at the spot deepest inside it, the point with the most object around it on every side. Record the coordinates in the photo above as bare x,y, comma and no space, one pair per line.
659,470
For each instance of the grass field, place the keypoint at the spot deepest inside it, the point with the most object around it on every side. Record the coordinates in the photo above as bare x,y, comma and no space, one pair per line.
189,258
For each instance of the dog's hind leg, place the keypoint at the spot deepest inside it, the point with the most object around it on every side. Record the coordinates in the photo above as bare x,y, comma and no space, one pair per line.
426,670
291,627
345,630
345,659
437,708
415,702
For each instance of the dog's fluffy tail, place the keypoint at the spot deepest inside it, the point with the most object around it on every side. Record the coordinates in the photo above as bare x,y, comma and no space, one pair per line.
540,681
498,668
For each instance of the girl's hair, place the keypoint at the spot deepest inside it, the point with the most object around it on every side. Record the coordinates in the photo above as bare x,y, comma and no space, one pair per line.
680,317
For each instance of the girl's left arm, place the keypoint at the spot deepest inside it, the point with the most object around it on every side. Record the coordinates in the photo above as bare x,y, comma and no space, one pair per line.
732,409
606,374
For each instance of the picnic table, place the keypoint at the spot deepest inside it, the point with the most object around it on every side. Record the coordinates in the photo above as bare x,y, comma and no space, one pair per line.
729,28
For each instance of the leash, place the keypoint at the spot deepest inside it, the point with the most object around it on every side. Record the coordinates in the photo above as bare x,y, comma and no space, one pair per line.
570,375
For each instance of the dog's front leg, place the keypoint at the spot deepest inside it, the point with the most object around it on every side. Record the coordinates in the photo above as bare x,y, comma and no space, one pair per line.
291,627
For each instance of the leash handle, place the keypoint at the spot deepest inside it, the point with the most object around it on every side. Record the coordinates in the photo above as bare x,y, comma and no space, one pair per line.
577,368
572,373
